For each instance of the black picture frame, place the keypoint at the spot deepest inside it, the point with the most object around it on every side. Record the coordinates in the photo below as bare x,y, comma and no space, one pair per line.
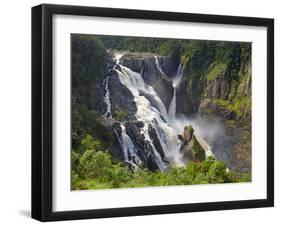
42,111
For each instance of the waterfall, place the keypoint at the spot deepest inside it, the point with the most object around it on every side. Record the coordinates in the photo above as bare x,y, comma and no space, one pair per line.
159,162
128,148
165,124
106,98
149,115
158,65
172,107
116,57
176,81
145,112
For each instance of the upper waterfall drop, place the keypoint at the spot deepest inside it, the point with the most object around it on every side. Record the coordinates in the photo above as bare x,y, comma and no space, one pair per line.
176,81
173,106
116,57
158,65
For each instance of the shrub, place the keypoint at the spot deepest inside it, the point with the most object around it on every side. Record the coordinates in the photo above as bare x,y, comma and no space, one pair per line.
120,115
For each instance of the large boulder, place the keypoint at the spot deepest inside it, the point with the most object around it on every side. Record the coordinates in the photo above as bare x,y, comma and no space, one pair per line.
190,146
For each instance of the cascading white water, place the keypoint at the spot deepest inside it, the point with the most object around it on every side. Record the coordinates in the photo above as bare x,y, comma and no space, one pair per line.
117,56
165,124
176,81
172,107
149,115
129,149
158,65
145,112
106,98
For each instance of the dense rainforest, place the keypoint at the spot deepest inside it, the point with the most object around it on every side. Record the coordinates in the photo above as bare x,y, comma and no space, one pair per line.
153,112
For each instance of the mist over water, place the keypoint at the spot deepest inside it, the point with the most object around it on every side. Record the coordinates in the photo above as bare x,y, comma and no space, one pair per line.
214,132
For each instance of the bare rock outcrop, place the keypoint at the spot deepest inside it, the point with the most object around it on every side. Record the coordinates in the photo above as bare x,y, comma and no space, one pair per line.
190,145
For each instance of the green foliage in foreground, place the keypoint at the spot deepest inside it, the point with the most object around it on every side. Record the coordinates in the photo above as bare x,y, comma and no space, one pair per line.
92,168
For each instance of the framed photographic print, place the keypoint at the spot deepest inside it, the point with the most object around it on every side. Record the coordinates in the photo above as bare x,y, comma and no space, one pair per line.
145,112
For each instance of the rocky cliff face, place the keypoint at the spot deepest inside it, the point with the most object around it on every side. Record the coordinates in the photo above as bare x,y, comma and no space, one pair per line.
216,87
218,91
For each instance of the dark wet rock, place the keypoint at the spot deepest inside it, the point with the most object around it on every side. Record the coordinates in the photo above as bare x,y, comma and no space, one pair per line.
110,62
150,161
116,147
135,65
154,138
169,65
145,150
180,137
164,89
139,124
117,128
134,133
121,98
